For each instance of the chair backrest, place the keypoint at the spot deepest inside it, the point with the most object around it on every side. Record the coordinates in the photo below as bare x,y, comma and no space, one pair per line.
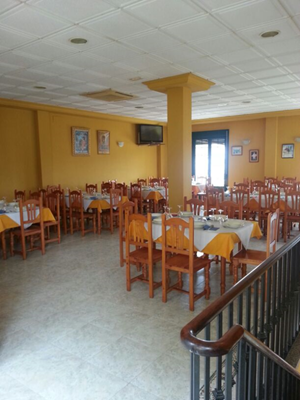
136,234
62,199
240,195
292,200
29,212
174,238
296,186
76,202
20,195
257,185
122,187
272,183
272,231
164,180
91,188
51,188
289,179
240,186
106,186
34,195
214,195
230,208
142,181
270,197
115,197
42,193
195,205
136,191
53,202
153,181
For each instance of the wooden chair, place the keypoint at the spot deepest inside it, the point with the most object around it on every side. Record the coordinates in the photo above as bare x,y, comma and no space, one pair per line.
272,183
3,243
242,196
122,187
240,186
289,179
106,186
179,256
153,181
64,214
34,195
165,201
136,193
91,188
232,209
214,195
291,212
20,195
34,209
296,186
51,188
268,198
115,198
164,180
78,214
53,203
257,185
195,205
142,181
43,193
145,254
132,208
255,257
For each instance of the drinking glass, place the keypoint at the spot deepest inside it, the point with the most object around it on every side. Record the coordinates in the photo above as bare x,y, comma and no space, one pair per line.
165,209
179,210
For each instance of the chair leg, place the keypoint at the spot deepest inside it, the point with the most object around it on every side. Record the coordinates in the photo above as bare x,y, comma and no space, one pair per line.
128,279
235,273
99,222
23,247
4,255
151,290
164,284
191,291
207,287
244,270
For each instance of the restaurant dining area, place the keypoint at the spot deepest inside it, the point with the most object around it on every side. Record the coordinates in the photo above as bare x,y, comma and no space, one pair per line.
149,200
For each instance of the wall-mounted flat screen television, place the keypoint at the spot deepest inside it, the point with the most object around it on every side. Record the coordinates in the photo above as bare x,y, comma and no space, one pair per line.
150,134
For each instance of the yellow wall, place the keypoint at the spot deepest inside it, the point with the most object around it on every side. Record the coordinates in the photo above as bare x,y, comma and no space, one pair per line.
19,155
239,167
35,149
288,129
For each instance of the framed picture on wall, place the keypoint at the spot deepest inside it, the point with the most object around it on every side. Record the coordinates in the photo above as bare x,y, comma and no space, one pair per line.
236,150
287,151
103,142
80,141
253,155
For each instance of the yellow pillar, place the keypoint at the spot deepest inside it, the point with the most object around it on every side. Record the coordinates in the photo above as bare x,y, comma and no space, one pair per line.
179,91
271,139
45,142
179,146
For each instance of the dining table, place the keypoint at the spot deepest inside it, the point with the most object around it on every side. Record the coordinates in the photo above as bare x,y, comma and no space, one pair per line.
98,202
10,218
216,238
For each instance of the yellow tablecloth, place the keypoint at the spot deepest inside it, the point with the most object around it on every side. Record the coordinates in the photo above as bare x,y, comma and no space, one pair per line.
223,244
156,196
103,204
8,223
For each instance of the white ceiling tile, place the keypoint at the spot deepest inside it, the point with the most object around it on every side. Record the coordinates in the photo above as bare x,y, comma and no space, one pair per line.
285,59
178,53
193,30
199,64
161,12
213,5
115,52
47,50
251,14
12,39
220,45
56,67
64,37
31,21
238,56
153,41
286,28
22,60
75,10
117,25
292,5
139,63
253,65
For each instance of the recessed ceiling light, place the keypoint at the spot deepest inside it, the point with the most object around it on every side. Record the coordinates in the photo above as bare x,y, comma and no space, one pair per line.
269,34
40,87
139,107
78,41
136,78
246,101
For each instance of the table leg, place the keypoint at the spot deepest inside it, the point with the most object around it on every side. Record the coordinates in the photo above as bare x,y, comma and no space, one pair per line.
99,221
223,273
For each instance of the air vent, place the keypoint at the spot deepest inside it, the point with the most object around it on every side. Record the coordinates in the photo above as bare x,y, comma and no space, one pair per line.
109,95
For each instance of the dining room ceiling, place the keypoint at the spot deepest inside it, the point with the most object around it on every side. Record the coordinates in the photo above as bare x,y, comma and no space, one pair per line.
132,41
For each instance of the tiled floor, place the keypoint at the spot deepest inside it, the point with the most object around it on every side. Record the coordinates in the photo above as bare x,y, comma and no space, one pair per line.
69,330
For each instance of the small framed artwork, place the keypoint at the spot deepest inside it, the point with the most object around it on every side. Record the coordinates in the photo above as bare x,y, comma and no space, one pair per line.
253,155
80,141
103,142
287,151
236,150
